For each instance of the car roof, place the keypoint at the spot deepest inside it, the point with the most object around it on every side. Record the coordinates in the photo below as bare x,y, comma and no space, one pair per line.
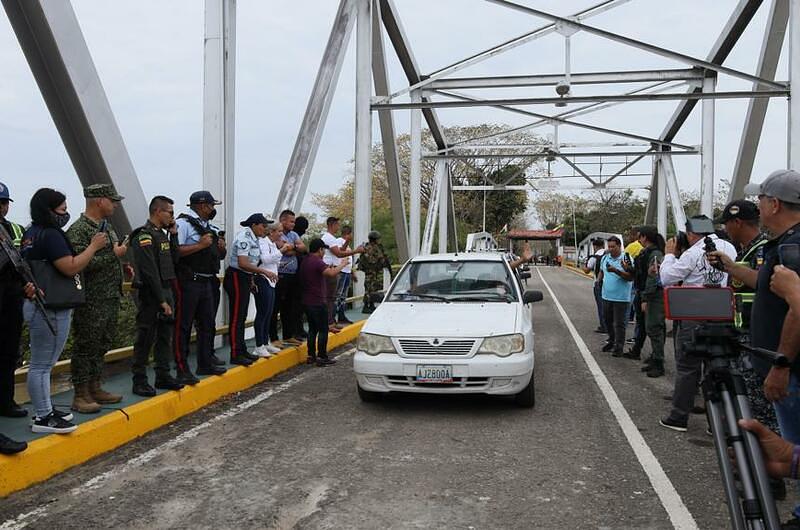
461,256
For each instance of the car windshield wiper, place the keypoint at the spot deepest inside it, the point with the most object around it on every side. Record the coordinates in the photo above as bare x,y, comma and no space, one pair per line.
423,295
486,297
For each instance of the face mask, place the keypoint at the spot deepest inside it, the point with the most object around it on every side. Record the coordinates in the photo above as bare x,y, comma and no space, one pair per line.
61,220
213,214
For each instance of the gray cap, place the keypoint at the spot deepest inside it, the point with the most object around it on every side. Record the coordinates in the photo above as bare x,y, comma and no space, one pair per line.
783,184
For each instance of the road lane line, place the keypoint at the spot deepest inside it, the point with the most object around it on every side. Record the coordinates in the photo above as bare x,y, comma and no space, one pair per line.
679,515
23,520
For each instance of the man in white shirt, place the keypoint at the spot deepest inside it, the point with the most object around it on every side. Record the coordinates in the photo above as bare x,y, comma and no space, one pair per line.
345,277
692,268
333,255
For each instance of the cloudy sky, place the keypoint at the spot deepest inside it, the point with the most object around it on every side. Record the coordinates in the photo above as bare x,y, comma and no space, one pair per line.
149,55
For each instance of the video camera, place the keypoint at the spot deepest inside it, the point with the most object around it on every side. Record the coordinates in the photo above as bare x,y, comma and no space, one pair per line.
717,341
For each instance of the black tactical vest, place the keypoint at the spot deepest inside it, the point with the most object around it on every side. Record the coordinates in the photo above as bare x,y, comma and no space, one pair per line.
207,260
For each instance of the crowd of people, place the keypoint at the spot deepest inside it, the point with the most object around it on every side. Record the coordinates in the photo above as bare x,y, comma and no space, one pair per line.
747,254
174,263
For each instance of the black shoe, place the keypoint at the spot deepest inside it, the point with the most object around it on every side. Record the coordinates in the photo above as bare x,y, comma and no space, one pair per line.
617,353
675,425
344,320
66,416
630,341
168,383
211,370
143,388
241,361
325,361
655,371
217,361
698,409
608,346
791,524
778,487
311,360
187,378
600,330
633,354
13,411
11,447
248,355
647,364
52,424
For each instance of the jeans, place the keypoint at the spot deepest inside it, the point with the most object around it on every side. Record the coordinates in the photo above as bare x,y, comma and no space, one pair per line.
341,294
46,348
330,297
598,301
287,302
265,300
616,315
788,412
317,316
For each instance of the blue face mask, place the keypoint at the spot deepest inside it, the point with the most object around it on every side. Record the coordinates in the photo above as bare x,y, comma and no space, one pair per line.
61,220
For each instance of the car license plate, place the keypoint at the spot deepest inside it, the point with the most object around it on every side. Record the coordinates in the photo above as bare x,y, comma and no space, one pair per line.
439,373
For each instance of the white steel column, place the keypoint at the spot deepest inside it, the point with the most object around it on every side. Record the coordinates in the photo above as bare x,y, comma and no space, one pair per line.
707,155
661,197
794,81
363,178
219,88
415,178
444,208
667,172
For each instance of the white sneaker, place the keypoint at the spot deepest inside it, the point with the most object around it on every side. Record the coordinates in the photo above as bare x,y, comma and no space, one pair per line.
262,351
271,349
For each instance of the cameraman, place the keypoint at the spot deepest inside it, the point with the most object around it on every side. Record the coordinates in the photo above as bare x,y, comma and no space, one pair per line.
691,269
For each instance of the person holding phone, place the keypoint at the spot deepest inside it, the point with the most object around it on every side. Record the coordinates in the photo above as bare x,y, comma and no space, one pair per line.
616,277
95,324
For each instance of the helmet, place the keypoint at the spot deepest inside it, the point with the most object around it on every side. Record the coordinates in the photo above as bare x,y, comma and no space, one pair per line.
374,235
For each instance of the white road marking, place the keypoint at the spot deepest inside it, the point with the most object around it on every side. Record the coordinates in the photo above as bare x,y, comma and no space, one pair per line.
679,515
23,520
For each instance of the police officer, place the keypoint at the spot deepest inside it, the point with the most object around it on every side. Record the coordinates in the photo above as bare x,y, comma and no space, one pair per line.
200,249
242,265
11,298
154,257
95,323
371,263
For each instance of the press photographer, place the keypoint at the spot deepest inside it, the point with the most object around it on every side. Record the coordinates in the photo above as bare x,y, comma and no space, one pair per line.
691,269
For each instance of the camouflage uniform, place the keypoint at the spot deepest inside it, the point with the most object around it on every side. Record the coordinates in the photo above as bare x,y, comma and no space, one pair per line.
371,263
95,323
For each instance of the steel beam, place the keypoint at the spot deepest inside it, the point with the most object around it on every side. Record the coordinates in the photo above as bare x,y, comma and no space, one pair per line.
433,156
624,169
741,16
737,94
794,77
496,187
583,78
219,91
362,216
444,207
707,153
504,47
415,179
53,44
757,108
574,166
298,171
671,180
652,197
657,50
661,205
440,174
388,137
397,36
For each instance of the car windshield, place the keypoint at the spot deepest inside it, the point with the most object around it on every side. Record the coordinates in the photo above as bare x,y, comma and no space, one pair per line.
454,281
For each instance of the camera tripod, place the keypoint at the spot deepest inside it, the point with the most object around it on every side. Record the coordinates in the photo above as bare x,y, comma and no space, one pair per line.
750,502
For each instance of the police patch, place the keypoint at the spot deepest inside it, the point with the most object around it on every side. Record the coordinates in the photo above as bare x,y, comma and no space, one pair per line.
243,245
145,240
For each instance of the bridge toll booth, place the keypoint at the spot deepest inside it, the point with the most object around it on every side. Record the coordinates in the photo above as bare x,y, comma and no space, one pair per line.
545,244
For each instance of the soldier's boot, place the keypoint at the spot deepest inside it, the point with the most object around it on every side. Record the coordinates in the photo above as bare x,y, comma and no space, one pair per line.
100,395
656,369
83,401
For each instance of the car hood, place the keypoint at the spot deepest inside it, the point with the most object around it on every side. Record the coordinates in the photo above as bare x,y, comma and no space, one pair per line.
425,319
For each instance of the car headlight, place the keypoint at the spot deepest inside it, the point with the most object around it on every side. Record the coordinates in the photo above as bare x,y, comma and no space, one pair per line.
375,344
503,345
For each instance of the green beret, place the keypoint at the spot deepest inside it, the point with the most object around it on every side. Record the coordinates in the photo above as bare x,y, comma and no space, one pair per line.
102,190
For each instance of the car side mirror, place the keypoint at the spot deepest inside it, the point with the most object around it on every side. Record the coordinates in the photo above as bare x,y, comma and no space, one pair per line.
524,275
377,297
532,296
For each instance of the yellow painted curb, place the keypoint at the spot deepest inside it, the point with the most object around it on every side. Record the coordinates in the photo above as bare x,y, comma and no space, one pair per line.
578,272
55,453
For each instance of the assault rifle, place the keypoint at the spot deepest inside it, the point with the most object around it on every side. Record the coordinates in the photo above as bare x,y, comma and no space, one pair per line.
9,253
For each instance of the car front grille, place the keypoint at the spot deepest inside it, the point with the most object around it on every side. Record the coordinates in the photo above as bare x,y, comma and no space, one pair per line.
458,382
447,347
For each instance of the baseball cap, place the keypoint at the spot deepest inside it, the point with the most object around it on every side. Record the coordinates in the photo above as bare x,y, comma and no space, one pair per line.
316,244
783,184
741,209
4,193
98,191
256,219
202,197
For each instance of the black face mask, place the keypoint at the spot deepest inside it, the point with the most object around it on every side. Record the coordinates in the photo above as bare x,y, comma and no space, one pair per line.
61,220
213,214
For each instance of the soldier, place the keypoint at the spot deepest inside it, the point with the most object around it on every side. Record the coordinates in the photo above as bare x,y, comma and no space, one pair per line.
11,297
371,263
154,257
95,323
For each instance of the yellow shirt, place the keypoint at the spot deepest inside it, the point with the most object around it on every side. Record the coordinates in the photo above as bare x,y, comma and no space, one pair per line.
633,249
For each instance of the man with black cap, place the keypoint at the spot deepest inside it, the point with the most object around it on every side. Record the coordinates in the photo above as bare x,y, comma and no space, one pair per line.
200,249
242,265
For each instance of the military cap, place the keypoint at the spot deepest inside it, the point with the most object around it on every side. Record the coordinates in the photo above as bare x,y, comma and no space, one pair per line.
374,235
97,191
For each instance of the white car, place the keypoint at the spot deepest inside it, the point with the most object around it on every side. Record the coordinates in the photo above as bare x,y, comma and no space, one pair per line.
450,324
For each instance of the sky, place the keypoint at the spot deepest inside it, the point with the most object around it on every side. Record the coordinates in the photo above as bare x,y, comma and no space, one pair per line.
149,55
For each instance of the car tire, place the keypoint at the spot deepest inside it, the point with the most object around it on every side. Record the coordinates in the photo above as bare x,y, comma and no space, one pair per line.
527,397
367,396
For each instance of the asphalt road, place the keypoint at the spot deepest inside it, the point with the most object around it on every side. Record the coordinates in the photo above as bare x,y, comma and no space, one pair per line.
301,451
